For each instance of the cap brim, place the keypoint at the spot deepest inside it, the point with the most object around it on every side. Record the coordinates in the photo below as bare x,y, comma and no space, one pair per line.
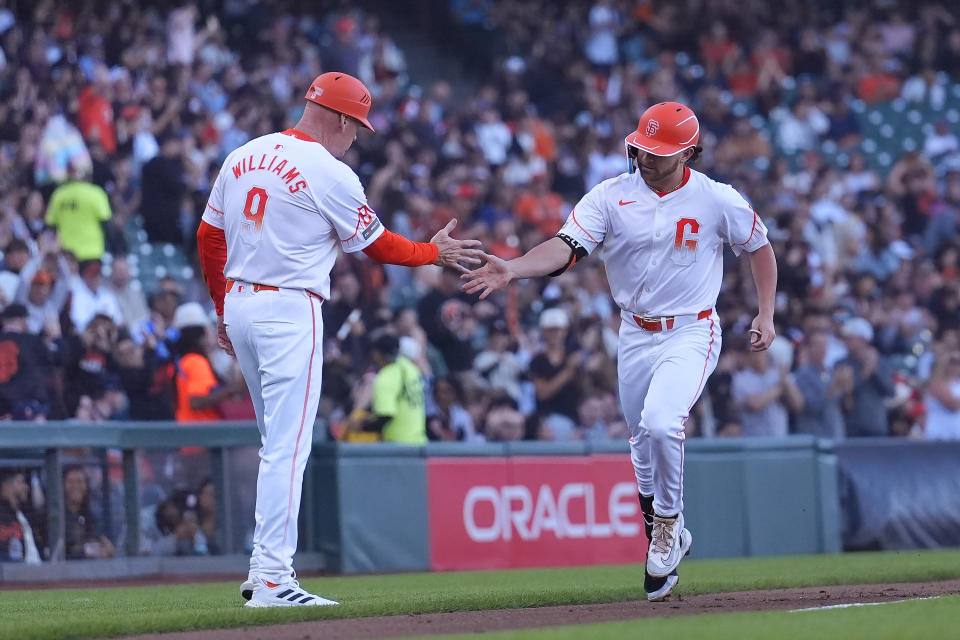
367,124
654,147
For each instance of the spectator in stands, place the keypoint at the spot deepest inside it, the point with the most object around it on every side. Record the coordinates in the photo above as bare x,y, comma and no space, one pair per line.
541,208
130,298
822,389
43,315
176,528
163,192
15,257
793,84
940,143
158,329
147,379
499,366
600,419
18,541
726,414
503,422
25,364
197,390
78,210
207,515
88,362
865,410
555,372
83,537
447,318
449,420
89,297
762,391
397,402
942,399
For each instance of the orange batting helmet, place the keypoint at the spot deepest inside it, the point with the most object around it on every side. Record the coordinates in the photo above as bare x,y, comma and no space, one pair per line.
665,129
343,93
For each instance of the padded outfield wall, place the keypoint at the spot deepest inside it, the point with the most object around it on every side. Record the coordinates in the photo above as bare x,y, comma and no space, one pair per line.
531,504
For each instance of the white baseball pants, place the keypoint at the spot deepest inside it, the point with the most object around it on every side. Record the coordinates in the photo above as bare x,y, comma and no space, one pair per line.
661,376
278,338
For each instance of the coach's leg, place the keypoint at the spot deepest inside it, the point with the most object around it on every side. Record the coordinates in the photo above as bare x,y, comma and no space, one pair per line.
634,371
288,335
688,357
238,322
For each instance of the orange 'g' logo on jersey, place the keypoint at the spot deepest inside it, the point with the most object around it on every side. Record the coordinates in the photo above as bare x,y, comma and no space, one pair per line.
652,127
688,231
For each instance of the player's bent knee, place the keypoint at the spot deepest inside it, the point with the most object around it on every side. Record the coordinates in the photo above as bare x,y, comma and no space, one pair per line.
661,424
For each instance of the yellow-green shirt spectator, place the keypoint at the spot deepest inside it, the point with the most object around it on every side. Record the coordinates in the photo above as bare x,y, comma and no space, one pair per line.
398,395
77,210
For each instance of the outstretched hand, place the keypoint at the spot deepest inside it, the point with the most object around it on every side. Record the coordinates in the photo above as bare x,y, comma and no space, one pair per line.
454,252
494,275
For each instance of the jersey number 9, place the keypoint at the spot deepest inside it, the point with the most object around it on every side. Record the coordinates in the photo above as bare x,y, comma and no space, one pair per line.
256,195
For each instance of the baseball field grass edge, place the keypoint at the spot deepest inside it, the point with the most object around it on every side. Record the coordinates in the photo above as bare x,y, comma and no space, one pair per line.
935,618
104,612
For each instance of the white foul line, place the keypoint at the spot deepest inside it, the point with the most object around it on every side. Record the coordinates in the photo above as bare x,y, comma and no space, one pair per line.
860,604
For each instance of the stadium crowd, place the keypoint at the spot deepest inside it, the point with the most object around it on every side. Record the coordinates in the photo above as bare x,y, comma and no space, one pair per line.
115,116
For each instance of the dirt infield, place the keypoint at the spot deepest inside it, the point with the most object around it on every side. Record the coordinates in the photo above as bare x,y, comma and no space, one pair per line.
510,619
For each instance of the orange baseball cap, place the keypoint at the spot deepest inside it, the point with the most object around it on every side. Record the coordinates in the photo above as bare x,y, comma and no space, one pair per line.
343,93
665,129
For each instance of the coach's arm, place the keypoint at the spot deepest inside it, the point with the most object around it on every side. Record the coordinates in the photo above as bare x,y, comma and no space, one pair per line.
550,257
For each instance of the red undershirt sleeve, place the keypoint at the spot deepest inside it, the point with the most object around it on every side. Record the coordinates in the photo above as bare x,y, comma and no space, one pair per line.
212,247
392,248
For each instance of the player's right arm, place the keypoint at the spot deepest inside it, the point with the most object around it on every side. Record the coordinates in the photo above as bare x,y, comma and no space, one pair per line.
345,207
583,232
212,248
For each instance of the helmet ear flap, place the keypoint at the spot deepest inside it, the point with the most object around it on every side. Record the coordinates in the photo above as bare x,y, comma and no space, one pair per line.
633,158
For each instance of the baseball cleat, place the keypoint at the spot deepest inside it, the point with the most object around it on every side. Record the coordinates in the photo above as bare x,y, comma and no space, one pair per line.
288,594
666,588
666,546
246,589
659,588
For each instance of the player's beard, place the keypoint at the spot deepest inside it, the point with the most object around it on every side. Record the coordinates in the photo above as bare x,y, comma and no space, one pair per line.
661,178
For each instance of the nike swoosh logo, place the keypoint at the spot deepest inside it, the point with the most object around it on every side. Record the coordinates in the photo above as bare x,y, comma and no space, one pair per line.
622,203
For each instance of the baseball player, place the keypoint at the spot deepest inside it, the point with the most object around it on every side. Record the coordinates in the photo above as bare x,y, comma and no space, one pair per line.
279,208
662,227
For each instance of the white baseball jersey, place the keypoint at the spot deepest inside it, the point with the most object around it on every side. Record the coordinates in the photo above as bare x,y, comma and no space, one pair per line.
284,203
664,255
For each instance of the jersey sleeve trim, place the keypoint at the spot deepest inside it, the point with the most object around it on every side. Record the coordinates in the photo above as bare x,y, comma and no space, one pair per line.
355,232
573,215
214,208
752,231
370,234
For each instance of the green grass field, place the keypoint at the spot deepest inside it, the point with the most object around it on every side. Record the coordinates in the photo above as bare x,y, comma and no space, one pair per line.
103,612
891,621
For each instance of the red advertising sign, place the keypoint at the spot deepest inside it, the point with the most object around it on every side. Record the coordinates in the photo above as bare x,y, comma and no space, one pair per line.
491,513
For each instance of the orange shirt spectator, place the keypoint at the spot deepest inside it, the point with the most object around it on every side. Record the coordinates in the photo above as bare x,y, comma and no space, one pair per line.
95,119
195,379
878,87
540,207
198,393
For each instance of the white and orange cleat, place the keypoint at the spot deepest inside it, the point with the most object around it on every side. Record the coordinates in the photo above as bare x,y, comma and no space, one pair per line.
287,594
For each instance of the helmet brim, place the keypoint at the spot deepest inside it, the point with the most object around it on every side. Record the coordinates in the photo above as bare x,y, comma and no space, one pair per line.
654,147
